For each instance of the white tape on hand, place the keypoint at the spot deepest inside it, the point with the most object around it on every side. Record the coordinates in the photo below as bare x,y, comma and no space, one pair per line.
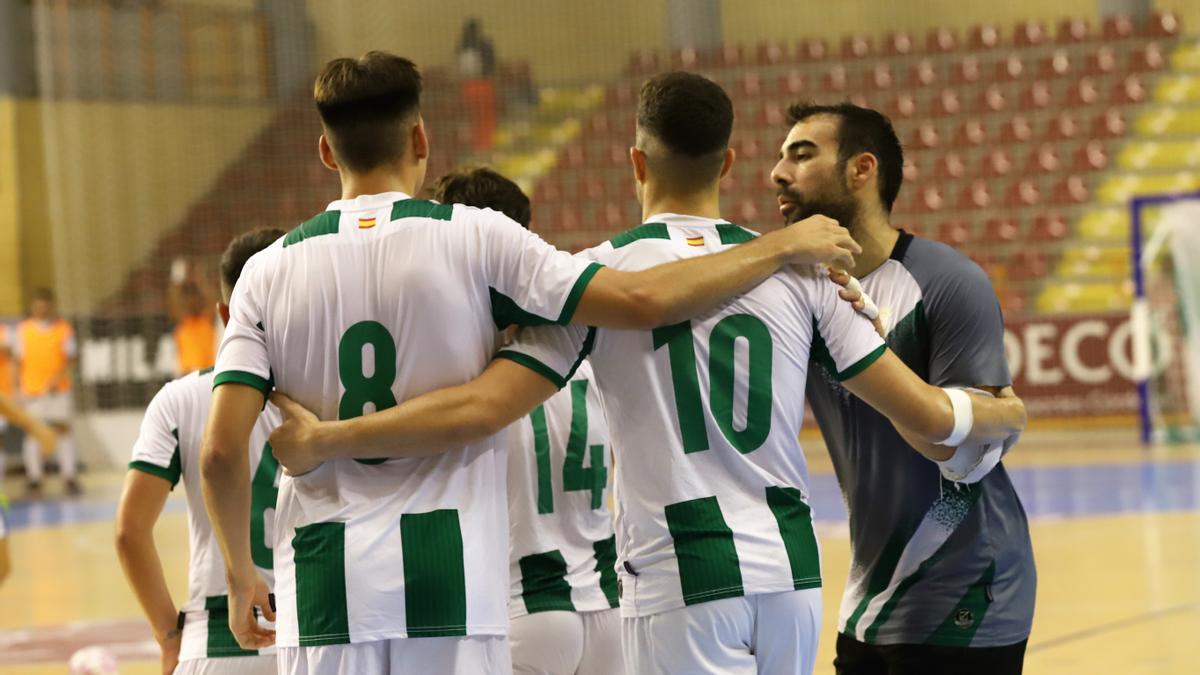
964,416
870,309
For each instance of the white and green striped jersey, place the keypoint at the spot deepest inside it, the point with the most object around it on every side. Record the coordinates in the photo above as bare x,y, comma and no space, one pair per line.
168,446
377,300
562,554
711,485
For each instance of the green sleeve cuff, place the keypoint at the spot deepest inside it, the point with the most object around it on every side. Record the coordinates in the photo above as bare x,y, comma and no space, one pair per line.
568,311
534,365
169,475
242,377
862,364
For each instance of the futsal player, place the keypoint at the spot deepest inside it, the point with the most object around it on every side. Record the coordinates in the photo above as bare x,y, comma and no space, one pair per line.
391,566
195,640
562,552
718,562
942,578
45,438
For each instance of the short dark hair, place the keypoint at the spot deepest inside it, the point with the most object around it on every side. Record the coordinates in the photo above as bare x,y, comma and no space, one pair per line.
862,130
363,103
485,188
242,248
692,118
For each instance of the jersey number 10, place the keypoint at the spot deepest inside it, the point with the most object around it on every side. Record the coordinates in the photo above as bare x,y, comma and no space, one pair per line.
689,405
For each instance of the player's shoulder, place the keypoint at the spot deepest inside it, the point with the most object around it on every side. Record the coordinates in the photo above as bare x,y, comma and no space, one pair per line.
935,263
196,385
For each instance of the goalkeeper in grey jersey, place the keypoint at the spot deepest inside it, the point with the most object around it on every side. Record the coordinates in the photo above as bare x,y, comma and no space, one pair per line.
942,578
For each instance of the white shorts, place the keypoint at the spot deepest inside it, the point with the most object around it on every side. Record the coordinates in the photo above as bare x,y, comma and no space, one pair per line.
476,655
567,643
53,408
234,665
772,633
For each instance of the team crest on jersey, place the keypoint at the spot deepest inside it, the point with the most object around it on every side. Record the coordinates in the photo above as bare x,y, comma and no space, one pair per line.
695,241
964,618
366,223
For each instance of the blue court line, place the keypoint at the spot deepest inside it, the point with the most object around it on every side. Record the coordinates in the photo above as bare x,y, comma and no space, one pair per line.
1046,492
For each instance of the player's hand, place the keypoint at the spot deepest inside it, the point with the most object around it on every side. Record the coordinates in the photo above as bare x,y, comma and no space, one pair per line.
857,297
47,438
292,441
169,646
820,240
243,623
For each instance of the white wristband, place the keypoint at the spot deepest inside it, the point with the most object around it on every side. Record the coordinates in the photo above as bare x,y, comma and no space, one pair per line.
869,310
964,416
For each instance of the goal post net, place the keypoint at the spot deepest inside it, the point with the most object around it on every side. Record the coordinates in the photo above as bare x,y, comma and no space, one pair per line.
1165,316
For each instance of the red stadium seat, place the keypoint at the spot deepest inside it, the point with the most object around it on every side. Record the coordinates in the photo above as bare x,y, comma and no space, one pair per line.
643,61
903,106
748,148
749,85
834,80
731,183
879,77
1109,124
977,195
618,154
991,100
812,50
613,218
771,53
1071,189
930,199
856,47
1000,231
1103,61
1016,130
792,84
1028,34
1117,27
1074,30
946,103
1010,68
572,157
566,219
1028,263
1092,156
1062,126
1129,90
1023,193
950,165
997,163
923,74
597,125
983,37
1164,25
1056,65
1037,96
1012,300
687,58
747,211
1147,59
941,41
898,43
728,56
771,116
970,133
1049,227
1044,159
925,136
1084,92
859,99
966,71
953,232
912,171
620,95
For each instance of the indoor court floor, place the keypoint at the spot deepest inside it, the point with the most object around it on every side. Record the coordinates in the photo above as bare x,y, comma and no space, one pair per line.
1116,533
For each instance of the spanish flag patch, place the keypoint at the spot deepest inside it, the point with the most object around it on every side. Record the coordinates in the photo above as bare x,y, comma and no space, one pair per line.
695,241
366,223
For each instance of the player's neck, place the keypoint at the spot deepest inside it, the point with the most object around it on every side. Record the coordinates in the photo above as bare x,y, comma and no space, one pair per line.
377,182
877,238
704,205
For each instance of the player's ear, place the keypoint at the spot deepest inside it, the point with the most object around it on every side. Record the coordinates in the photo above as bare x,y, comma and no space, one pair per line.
730,155
862,169
418,140
326,152
638,158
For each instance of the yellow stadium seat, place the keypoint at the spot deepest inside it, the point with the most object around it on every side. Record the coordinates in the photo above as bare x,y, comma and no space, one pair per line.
1084,297
1168,120
1111,224
1178,89
1186,57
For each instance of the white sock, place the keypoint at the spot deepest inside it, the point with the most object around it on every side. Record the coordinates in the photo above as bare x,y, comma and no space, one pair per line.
32,453
68,456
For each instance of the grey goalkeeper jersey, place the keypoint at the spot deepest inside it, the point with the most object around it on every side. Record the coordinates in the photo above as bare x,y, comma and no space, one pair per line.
931,562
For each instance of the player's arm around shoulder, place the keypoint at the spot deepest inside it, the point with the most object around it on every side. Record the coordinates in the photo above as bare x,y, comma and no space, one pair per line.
678,291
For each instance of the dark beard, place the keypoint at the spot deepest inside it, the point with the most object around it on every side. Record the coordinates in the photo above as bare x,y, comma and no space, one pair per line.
845,212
